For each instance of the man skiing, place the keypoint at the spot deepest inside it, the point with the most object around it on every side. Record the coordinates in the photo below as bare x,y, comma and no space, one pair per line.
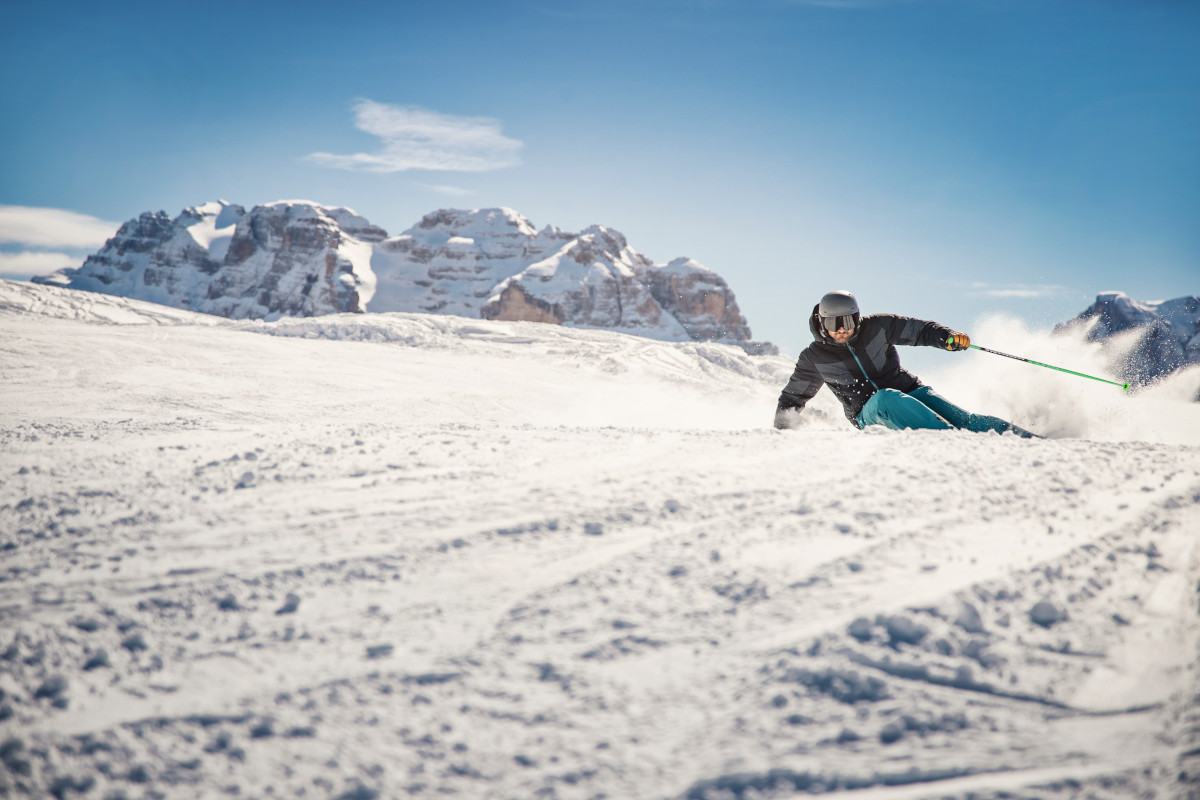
856,357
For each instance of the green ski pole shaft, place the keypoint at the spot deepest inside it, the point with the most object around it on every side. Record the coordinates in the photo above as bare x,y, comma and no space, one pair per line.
1124,386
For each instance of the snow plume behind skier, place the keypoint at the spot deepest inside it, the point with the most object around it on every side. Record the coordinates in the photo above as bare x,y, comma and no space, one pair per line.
856,357
1063,407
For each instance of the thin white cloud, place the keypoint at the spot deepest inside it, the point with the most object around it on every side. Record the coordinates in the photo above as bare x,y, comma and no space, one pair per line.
53,227
449,191
1022,290
36,263
416,138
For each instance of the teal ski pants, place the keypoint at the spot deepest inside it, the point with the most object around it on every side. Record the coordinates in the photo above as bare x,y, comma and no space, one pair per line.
925,408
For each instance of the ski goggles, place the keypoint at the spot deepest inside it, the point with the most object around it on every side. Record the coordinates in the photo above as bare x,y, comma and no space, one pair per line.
846,322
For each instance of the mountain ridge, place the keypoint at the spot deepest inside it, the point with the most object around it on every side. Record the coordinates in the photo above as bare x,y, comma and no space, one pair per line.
1148,340
300,258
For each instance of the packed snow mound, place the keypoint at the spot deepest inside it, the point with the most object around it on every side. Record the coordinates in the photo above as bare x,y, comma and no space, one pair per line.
403,555
638,380
1144,341
32,299
1045,401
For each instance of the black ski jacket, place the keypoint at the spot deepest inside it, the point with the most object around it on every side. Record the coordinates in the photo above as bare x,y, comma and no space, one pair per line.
856,370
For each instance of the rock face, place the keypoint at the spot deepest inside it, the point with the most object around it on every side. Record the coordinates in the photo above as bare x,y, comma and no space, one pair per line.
1165,334
281,259
303,259
452,261
698,298
493,263
591,281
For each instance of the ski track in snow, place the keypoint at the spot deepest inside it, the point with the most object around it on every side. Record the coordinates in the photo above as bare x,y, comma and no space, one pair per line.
406,556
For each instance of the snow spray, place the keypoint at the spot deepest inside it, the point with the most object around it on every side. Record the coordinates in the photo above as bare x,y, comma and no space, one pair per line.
1041,401
1124,386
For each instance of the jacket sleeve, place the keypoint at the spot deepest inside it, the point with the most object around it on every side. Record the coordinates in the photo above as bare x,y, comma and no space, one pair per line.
802,387
909,331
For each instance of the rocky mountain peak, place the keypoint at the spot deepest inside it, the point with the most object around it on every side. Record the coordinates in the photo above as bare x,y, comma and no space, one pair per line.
299,258
290,258
482,221
222,212
1157,338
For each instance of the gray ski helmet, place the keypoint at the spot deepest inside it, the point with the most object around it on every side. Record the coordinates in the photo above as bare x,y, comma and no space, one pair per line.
838,310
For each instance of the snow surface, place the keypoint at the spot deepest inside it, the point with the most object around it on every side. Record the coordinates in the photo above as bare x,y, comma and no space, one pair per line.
404,555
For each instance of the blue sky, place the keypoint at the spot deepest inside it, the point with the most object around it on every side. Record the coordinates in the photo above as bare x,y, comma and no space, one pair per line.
940,158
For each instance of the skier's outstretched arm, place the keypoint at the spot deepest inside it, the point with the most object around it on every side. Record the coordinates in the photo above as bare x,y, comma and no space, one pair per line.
921,332
802,387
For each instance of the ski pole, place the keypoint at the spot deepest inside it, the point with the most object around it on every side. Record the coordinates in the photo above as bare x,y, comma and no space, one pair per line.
1124,386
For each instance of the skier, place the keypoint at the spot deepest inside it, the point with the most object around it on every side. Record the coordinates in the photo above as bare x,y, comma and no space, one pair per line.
856,357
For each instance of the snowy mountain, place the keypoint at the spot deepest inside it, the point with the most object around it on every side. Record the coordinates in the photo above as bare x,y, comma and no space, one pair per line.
1149,340
303,259
281,259
416,555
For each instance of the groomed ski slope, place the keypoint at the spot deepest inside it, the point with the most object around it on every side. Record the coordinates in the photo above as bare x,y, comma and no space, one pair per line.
374,556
